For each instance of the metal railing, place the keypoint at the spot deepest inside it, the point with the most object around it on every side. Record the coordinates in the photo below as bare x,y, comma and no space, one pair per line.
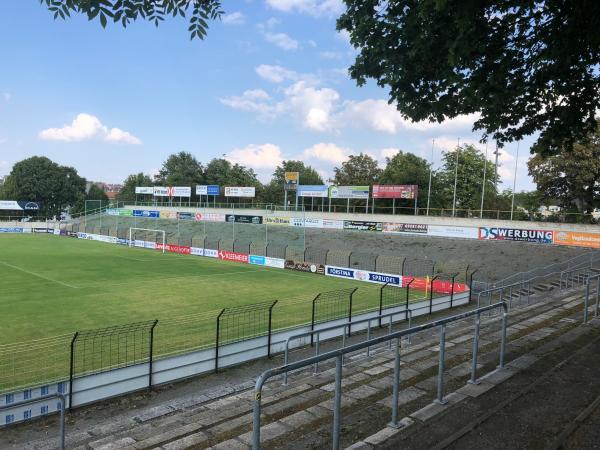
58,395
407,313
398,335
587,297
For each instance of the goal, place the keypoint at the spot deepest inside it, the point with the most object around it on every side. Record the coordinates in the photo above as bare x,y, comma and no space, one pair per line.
133,242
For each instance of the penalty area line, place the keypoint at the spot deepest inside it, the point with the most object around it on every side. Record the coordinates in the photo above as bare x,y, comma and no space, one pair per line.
38,275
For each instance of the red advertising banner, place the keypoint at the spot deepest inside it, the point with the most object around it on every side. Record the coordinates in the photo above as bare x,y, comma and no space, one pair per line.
439,286
395,191
175,248
233,256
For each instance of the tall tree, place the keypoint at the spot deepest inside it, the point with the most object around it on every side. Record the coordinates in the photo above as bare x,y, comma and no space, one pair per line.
357,170
521,66
96,193
469,179
573,178
127,193
154,11
222,172
39,179
180,169
274,191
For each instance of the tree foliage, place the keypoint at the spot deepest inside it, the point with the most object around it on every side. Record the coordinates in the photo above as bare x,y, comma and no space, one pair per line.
522,66
127,11
357,170
274,191
39,179
96,193
469,179
127,192
180,169
572,178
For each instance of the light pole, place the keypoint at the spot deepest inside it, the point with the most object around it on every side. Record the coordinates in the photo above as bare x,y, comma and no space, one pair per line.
483,185
455,178
512,204
430,173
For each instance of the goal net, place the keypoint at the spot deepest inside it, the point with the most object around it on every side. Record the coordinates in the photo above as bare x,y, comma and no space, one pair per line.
146,237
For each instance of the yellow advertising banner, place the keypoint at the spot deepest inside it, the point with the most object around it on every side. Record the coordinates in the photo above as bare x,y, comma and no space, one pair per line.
168,215
276,220
577,238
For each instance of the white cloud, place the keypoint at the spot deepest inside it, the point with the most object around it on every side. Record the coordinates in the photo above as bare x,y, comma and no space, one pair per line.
275,74
263,156
7,96
254,100
281,40
272,22
313,105
118,135
327,152
388,152
315,8
235,18
84,127
331,55
311,43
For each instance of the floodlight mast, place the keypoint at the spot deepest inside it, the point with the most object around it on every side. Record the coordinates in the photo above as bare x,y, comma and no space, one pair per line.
131,242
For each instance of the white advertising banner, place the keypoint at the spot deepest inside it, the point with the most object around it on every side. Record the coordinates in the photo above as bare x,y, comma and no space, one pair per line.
313,223
211,253
364,275
201,190
333,224
209,217
182,191
453,232
144,190
197,251
161,191
274,262
240,191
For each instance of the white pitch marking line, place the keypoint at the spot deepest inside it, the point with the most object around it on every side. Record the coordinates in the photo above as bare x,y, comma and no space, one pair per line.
134,259
38,275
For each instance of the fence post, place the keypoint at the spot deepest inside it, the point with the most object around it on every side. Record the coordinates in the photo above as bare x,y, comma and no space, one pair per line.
440,381
381,302
473,379
72,369
349,259
431,294
151,354
403,263
270,328
350,311
407,297
587,299
312,320
471,284
337,404
217,342
452,290
396,386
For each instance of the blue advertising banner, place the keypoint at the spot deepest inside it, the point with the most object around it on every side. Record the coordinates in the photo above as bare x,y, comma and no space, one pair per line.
258,260
146,213
311,190
516,234
364,275
185,215
11,230
213,189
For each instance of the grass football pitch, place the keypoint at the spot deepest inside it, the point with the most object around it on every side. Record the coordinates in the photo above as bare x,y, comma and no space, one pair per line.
52,286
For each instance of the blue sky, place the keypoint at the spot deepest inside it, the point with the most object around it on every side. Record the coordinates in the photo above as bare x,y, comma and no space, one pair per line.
269,83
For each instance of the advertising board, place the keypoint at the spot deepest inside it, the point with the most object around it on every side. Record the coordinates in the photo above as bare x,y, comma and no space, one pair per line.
11,230
364,275
411,228
304,267
168,214
185,216
276,220
360,192
313,223
211,189
196,251
361,225
160,191
577,239
296,222
256,260
233,256
407,191
182,249
240,191
319,191
126,212
181,191
291,180
209,217
144,190
239,218
146,213
453,232
333,224
274,262
211,253
516,234
19,205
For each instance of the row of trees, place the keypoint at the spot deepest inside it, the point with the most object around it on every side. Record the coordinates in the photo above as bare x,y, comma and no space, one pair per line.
570,180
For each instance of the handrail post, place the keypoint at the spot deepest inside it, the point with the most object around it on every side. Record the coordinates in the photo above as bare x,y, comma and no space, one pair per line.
396,387
72,369
471,283
350,311
217,341
62,422
503,340
312,320
381,302
587,299
285,361
440,381
431,294
151,354
597,295
316,367
337,404
270,329
369,336
473,379
256,416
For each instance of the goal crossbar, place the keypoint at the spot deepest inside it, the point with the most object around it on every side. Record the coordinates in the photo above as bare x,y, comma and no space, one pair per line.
132,229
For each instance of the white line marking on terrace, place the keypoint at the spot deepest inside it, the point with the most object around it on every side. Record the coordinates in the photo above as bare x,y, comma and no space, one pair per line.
38,275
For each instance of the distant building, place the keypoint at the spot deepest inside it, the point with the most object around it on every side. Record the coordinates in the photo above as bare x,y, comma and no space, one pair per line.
111,190
546,211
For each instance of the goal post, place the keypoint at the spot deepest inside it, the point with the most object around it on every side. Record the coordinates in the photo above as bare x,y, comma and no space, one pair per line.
131,242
